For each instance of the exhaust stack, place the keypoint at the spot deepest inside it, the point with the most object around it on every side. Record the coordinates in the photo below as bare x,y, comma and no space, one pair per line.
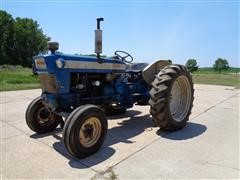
98,38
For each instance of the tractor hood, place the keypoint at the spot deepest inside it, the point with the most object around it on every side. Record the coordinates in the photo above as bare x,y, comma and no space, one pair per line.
61,62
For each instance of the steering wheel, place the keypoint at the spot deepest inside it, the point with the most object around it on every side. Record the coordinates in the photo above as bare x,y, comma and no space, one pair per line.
123,56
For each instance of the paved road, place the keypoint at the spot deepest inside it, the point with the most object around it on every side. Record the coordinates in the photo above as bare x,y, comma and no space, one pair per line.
208,147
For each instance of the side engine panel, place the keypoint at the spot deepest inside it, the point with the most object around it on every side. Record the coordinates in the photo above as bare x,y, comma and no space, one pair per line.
96,88
123,89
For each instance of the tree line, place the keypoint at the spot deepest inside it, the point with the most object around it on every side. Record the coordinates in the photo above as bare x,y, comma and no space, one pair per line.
219,65
20,40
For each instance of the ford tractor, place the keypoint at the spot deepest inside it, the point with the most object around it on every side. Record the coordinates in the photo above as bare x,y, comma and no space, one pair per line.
79,92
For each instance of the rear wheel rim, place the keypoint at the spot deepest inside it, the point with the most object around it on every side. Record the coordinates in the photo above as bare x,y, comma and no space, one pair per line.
90,132
180,98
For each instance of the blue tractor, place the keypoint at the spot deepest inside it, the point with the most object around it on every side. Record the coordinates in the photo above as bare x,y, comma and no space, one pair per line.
78,92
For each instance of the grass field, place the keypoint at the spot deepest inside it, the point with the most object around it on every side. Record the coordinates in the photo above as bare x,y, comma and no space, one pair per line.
18,78
217,79
229,77
208,70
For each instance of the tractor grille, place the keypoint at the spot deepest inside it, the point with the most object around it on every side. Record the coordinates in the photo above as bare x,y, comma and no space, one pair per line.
48,83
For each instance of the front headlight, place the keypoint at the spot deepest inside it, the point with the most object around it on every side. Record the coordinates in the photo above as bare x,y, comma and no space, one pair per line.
60,63
40,63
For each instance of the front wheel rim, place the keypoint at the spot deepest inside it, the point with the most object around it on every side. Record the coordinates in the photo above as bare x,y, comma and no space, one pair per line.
45,117
180,98
90,132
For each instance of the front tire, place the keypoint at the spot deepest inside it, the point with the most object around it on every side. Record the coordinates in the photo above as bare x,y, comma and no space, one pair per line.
39,119
85,131
171,97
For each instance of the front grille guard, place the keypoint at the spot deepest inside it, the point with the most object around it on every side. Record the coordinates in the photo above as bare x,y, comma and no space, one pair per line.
48,83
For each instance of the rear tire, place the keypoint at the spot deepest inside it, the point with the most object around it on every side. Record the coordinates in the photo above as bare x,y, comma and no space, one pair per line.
171,97
85,131
39,119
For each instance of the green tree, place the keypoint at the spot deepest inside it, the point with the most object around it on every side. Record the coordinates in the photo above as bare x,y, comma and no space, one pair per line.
6,37
21,39
29,40
191,65
221,64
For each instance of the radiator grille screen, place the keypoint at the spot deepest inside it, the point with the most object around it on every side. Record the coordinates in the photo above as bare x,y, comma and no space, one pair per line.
48,83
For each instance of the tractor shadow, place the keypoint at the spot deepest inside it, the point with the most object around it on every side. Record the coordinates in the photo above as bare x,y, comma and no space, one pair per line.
191,130
131,125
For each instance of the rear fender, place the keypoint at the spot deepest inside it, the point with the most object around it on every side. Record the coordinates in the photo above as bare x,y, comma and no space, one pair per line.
151,70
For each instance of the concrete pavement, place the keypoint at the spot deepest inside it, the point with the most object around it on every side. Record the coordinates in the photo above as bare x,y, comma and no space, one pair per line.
208,147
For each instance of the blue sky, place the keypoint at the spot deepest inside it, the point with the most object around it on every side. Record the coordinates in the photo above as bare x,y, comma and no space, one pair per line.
148,30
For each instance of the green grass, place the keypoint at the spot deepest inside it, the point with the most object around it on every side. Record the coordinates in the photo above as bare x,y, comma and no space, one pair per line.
229,77
17,78
208,70
217,79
